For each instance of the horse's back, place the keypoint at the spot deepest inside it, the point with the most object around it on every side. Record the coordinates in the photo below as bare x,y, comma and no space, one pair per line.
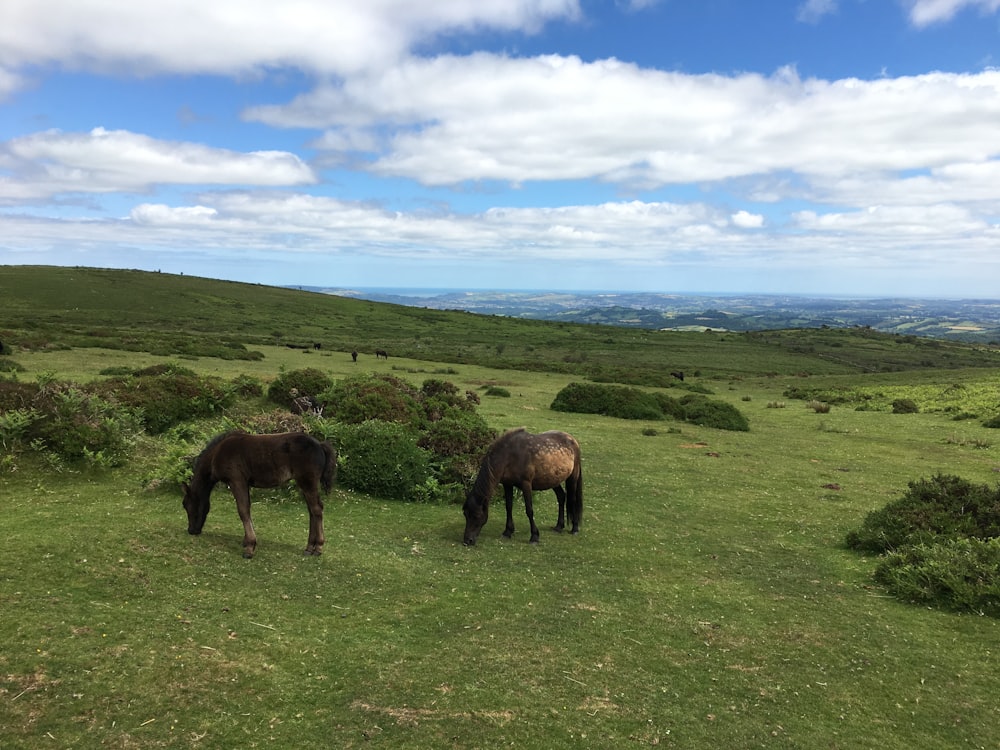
267,460
545,459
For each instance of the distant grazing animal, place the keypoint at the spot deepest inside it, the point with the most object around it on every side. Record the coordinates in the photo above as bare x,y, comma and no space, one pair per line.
354,356
530,462
1,347
242,461
317,346
381,354
678,375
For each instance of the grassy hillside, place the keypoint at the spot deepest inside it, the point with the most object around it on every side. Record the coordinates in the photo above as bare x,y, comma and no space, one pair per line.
708,602
42,307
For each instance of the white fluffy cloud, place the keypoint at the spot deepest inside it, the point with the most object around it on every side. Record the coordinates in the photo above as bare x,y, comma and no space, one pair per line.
487,117
236,36
102,161
926,12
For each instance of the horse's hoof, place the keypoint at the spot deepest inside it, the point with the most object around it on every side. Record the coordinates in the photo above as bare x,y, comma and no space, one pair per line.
248,555
534,541
558,528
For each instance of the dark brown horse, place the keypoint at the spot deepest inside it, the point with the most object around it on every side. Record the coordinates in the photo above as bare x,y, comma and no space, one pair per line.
243,461
530,462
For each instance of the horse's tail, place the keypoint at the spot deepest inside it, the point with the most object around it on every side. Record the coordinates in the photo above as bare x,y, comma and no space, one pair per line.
330,467
576,496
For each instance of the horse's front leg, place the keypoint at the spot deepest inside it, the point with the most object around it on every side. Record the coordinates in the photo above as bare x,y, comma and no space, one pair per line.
508,496
316,537
529,509
242,495
561,497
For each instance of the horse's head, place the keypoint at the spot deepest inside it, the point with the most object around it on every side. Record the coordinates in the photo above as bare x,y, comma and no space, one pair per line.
196,507
476,512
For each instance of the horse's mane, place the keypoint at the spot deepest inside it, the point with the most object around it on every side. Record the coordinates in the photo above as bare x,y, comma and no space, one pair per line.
486,480
214,443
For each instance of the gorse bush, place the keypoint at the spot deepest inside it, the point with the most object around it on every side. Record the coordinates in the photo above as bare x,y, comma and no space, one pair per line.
718,414
436,419
165,396
457,444
366,397
383,459
905,406
958,574
607,400
308,382
942,507
631,403
942,544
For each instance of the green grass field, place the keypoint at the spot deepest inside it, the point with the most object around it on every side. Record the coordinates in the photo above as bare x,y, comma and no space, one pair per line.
708,602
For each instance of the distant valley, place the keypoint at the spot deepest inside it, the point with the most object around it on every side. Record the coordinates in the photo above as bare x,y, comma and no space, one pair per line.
970,320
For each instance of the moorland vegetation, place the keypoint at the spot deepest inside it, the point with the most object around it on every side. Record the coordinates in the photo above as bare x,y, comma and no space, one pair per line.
746,575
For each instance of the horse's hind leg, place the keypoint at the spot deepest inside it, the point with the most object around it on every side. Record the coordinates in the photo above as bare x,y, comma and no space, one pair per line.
316,538
561,497
242,495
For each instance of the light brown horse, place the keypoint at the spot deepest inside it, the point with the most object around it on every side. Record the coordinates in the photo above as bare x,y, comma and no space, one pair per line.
530,462
243,461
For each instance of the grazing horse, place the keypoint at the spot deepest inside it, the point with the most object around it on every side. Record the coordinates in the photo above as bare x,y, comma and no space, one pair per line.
381,354
530,462
354,355
243,461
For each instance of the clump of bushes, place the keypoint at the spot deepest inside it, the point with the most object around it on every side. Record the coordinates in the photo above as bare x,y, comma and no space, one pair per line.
958,574
942,507
905,406
631,403
609,401
940,542
307,382
166,395
383,459
69,425
435,422
717,414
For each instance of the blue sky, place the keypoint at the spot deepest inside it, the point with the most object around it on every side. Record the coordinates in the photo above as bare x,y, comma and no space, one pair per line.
832,147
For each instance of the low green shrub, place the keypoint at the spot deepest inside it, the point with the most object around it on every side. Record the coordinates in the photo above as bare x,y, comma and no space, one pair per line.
608,400
380,397
457,444
166,395
718,414
993,423
307,382
80,427
631,403
497,391
671,407
905,406
383,459
942,507
957,574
